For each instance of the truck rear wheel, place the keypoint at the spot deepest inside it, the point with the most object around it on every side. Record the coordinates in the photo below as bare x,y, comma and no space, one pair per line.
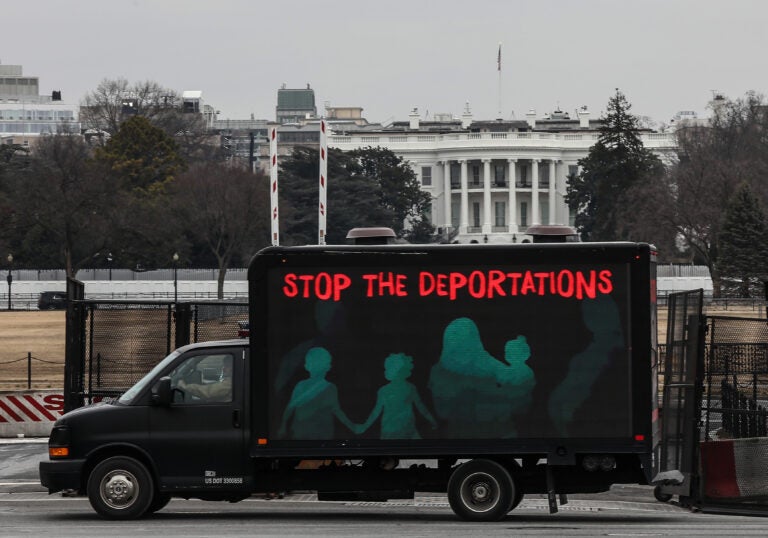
481,490
120,488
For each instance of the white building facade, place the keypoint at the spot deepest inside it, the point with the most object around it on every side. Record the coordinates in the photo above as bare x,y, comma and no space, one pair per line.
490,181
25,115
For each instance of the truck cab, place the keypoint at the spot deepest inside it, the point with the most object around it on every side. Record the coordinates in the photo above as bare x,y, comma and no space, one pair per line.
180,430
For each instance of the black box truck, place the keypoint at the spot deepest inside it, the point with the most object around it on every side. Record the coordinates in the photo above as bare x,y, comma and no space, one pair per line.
373,372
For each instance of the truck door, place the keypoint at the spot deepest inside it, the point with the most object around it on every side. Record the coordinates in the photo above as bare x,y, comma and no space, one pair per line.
198,440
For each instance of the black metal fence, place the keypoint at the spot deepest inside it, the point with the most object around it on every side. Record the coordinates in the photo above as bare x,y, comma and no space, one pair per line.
735,378
113,344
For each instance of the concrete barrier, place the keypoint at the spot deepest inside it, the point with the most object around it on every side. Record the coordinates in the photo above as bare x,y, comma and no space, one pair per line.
735,468
29,413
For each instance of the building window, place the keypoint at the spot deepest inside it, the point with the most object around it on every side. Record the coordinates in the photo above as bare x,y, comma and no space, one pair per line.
545,214
523,175
499,176
524,214
426,176
573,170
476,214
501,214
455,214
475,175
455,177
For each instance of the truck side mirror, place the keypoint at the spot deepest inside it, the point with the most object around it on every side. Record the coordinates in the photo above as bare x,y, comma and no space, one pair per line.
161,392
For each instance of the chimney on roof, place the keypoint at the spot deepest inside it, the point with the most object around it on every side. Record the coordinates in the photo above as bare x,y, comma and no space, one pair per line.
584,117
56,95
466,117
414,119
530,117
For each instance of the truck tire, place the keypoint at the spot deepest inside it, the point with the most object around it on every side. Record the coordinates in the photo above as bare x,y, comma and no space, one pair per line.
160,501
481,490
120,488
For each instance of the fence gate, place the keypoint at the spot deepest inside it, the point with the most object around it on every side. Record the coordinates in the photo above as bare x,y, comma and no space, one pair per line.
734,418
113,344
675,462
714,448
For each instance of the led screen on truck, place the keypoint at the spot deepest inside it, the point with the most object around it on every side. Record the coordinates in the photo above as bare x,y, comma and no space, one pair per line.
455,352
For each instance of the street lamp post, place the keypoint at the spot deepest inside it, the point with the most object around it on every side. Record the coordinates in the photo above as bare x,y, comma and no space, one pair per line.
9,278
175,278
109,264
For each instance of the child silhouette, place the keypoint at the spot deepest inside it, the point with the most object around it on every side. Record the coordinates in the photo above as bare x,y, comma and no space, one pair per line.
395,402
314,402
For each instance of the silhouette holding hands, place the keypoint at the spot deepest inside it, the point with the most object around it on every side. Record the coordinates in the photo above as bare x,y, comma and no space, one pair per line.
314,402
396,400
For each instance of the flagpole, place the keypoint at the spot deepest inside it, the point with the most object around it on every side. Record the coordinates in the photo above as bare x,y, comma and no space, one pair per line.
499,71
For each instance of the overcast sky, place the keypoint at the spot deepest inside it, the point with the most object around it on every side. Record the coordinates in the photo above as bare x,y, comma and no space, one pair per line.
389,56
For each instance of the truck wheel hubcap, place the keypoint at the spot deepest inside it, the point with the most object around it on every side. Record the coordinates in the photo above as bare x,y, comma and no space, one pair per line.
119,489
479,492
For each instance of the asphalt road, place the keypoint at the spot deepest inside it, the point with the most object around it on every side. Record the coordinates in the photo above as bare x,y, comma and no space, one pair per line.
27,510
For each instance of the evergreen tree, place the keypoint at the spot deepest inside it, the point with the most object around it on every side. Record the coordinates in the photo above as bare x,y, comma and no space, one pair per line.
366,187
399,193
142,155
743,242
600,193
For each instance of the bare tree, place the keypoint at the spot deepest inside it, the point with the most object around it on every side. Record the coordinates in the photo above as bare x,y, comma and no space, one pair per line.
226,209
61,202
713,160
114,101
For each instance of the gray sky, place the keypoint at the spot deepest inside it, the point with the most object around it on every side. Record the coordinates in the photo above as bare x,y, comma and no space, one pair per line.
392,55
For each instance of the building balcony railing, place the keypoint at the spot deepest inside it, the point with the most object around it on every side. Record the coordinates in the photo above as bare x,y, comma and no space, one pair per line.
576,140
474,229
499,229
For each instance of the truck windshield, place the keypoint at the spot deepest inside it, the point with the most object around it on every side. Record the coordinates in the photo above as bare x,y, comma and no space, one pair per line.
131,393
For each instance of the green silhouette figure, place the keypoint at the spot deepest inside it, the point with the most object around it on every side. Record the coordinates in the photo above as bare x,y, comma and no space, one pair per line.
395,402
314,402
475,394
330,323
601,316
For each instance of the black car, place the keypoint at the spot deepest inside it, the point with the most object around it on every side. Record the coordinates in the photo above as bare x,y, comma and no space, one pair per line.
52,300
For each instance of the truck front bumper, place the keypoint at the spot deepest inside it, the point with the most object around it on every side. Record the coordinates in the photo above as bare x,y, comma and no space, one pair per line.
57,475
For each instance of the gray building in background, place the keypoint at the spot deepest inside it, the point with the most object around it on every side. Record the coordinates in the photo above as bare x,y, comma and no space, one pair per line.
25,115
295,105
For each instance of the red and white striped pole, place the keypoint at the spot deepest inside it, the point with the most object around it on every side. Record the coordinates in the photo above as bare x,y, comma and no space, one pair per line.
323,192
273,186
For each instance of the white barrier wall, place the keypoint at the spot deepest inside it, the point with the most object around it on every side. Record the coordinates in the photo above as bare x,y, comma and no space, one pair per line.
29,413
672,284
120,289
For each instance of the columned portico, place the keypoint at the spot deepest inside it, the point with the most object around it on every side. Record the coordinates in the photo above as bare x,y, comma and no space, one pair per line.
507,155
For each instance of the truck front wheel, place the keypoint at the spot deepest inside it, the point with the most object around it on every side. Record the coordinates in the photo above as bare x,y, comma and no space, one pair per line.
481,490
120,488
